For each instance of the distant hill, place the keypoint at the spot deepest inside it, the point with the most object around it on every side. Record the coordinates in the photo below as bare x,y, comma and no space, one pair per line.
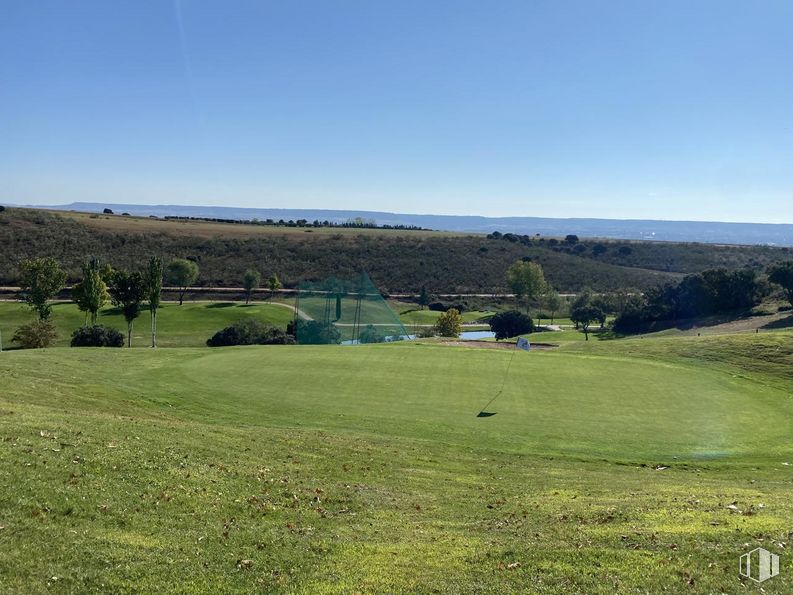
398,262
629,229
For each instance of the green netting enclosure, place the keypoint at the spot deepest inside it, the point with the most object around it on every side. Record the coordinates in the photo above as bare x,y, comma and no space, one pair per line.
344,311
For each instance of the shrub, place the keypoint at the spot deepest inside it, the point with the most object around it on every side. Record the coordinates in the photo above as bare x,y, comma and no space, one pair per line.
2,208
97,336
371,335
249,331
107,211
36,335
510,324
441,307
449,324
312,332
424,332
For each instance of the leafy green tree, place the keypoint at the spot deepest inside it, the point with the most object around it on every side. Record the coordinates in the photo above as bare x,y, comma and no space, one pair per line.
449,324
424,297
250,281
782,274
585,315
90,294
526,280
128,290
273,284
153,279
553,302
510,324
40,279
181,273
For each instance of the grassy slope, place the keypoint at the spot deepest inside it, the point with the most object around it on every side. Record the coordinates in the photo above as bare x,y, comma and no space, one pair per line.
189,325
396,261
334,469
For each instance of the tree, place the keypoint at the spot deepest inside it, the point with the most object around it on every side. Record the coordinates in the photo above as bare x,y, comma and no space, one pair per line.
510,324
153,280
526,280
250,281
128,290
571,238
782,274
424,298
181,273
585,315
273,284
338,306
553,302
40,279
90,294
449,324
35,335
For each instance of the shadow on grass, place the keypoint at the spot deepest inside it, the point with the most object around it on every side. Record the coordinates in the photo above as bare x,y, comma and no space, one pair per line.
485,414
782,323
221,305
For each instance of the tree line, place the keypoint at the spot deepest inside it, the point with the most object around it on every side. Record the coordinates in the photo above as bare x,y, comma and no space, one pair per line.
715,291
131,291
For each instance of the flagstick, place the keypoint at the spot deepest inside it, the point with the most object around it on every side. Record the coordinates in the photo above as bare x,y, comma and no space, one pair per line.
503,381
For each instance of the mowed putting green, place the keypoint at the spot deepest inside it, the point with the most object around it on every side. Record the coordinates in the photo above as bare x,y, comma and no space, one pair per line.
336,469
619,409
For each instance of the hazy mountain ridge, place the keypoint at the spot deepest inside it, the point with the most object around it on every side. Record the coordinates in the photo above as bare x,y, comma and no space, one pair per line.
630,229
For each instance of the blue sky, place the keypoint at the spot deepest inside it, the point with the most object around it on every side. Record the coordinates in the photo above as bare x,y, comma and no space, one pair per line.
637,109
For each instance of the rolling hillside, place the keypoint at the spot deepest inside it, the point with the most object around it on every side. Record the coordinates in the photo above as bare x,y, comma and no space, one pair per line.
397,261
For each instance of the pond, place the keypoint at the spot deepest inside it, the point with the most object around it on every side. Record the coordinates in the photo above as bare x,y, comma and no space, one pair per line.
477,335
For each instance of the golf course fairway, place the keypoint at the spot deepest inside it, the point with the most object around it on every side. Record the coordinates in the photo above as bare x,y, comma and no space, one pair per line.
340,469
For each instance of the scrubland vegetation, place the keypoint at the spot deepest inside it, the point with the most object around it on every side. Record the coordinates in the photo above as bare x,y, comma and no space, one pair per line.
397,262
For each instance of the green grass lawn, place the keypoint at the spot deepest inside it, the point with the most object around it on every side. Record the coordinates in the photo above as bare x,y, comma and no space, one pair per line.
340,469
430,317
189,325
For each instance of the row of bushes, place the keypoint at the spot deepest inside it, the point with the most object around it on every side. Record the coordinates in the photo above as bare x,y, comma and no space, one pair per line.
42,333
